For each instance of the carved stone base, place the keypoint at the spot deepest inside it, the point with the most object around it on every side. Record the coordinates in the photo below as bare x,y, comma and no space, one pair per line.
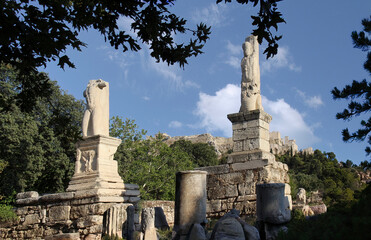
250,131
95,170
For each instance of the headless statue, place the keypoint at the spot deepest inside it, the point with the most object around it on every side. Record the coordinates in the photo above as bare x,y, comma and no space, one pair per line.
96,116
250,81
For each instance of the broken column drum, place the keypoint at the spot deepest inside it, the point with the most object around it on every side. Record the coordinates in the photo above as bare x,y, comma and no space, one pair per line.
271,203
190,200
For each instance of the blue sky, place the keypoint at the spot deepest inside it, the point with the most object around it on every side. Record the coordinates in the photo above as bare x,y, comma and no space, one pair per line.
315,55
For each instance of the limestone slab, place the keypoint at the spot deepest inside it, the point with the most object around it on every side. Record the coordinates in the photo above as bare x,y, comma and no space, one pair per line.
30,194
249,165
59,213
245,156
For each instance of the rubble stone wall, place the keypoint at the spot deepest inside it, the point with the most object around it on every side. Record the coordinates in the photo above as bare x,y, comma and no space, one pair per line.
167,206
228,188
50,215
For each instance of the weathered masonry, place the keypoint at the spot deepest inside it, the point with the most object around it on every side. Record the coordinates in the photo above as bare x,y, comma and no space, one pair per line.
233,185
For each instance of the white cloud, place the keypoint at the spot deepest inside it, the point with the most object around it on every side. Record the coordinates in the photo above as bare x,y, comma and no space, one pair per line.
233,61
283,59
313,102
234,49
175,124
289,122
213,109
233,52
124,23
213,15
146,98
171,73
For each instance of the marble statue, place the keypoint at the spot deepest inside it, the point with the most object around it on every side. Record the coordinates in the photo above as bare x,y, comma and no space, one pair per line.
96,116
250,81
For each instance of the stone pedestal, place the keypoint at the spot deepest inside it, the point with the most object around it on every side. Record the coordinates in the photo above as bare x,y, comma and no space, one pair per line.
190,200
95,169
250,140
250,130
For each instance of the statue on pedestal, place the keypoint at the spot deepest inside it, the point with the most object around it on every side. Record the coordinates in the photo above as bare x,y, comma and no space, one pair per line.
96,116
250,81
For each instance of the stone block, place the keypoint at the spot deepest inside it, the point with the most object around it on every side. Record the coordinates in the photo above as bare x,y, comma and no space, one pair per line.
250,133
231,191
21,211
249,165
246,188
246,198
30,194
89,209
214,206
57,197
231,178
89,221
216,193
114,219
220,169
64,236
134,199
134,193
31,219
246,156
129,186
27,201
59,213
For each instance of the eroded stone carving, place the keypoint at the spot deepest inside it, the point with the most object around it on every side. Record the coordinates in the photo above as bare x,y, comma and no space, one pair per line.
250,81
96,116
84,160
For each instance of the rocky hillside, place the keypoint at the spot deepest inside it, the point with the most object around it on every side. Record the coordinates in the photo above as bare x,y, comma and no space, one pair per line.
221,144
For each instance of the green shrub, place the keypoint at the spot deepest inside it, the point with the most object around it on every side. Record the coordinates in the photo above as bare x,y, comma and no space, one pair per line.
7,214
347,220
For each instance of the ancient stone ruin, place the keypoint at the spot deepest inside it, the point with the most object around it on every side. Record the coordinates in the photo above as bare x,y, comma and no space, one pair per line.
97,200
233,185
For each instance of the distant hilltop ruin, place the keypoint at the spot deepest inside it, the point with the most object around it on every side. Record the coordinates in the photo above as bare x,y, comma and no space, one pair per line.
278,145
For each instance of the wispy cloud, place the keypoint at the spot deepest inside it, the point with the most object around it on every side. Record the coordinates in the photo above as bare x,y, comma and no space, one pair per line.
170,73
213,15
233,56
146,98
312,102
175,124
283,59
124,23
212,111
234,49
290,122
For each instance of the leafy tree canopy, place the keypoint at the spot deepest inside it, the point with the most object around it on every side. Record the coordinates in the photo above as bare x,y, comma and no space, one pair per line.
35,32
349,221
150,163
359,92
321,171
37,146
201,154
